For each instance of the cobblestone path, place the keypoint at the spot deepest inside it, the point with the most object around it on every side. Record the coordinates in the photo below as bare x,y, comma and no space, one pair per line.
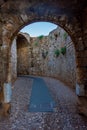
65,116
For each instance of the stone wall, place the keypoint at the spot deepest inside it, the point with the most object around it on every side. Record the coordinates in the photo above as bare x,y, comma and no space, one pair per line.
72,16
14,60
38,64
40,58
1,70
63,66
22,55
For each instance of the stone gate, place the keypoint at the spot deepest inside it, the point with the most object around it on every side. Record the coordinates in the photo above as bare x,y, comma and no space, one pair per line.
70,15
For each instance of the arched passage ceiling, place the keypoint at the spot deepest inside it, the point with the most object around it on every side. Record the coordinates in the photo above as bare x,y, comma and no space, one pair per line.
65,13
71,5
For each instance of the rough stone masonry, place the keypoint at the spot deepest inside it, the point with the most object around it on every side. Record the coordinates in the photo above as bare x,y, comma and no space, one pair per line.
70,15
39,56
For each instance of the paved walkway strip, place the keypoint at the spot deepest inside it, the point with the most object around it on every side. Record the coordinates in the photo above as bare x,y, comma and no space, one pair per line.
41,99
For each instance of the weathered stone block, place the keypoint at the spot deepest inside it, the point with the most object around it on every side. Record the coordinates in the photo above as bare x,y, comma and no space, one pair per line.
80,90
7,92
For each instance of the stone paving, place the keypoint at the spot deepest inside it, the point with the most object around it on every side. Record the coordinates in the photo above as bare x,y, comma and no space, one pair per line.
65,116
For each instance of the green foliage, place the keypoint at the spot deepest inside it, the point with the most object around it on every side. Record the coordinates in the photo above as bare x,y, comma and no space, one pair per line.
63,50
57,52
40,37
36,43
65,35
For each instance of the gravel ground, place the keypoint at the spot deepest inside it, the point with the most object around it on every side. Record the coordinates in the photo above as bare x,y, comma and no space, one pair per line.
64,117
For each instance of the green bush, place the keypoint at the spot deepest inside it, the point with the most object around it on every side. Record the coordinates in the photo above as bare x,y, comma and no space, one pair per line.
63,50
57,52
40,37
65,35
36,43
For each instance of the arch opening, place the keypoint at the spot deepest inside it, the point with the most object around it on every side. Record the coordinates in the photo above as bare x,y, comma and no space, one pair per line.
38,56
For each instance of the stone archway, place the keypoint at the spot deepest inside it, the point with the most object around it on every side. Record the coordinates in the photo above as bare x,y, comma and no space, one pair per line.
15,16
